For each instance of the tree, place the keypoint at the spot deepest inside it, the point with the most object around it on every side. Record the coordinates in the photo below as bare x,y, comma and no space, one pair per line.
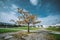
26,18
41,26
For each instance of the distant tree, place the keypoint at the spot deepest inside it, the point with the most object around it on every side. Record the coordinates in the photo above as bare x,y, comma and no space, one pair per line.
41,26
50,26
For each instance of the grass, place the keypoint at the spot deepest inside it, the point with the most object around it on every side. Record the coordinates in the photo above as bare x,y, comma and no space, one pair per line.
54,29
4,30
56,36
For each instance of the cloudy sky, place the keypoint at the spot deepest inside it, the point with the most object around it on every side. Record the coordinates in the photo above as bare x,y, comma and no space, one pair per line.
48,11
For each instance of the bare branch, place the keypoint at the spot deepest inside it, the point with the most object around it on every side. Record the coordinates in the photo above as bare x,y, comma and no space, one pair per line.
20,10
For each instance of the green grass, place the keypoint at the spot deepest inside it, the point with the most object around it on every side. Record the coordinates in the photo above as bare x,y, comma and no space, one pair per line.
54,29
56,36
4,30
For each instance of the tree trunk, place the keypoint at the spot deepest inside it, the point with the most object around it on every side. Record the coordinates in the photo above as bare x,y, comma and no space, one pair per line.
28,28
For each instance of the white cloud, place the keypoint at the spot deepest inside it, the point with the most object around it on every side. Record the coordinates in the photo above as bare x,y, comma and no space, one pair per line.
12,12
34,2
50,20
25,10
5,17
14,7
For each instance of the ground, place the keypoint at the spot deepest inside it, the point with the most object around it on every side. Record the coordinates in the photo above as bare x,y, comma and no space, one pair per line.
21,35
40,34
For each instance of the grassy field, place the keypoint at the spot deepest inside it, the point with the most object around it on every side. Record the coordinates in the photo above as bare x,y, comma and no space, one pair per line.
53,29
4,30
56,36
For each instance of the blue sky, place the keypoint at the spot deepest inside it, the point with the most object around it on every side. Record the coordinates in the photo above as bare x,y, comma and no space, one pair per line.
48,11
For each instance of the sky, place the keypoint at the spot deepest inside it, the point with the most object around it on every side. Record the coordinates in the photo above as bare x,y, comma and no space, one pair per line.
48,11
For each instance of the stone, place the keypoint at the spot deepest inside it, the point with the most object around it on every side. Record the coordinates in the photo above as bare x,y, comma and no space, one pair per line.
8,37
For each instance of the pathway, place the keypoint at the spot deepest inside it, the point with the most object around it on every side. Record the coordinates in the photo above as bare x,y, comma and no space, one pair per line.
38,35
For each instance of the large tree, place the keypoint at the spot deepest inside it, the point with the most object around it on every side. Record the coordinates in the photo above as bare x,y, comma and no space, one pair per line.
27,18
